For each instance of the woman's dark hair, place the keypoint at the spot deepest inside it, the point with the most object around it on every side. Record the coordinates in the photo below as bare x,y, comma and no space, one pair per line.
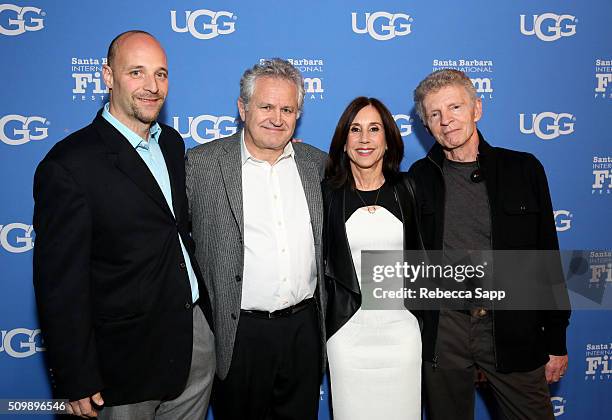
338,169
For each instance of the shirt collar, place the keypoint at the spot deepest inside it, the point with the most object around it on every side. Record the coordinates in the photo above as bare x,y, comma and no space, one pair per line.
245,155
134,139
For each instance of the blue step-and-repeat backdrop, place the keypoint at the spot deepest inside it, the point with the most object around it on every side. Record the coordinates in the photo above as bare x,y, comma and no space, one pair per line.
543,70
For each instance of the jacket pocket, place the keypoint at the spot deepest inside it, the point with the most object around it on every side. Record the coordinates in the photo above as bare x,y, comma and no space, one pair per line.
520,224
111,320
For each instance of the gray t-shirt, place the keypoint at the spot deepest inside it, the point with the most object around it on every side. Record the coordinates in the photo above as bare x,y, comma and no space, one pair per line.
467,217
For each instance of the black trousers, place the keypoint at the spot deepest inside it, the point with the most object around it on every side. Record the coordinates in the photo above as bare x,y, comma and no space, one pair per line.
464,344
275,372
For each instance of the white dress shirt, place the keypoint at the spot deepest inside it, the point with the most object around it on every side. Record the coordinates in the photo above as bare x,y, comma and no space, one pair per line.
279,255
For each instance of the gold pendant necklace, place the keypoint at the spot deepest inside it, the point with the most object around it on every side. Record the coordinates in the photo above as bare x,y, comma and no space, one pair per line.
371,209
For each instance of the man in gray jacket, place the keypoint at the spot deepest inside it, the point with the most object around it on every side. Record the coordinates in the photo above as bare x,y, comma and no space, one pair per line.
256,209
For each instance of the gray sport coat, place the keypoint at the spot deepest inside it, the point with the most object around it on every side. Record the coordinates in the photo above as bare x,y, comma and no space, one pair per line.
214,191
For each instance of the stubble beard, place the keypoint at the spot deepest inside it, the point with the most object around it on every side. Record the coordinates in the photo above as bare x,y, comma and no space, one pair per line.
141,116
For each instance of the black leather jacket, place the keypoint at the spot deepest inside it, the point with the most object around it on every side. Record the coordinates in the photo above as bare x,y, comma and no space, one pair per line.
521,218
342,284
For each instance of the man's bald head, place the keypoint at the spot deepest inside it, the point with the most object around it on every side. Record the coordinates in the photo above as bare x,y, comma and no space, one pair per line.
116,42
136,74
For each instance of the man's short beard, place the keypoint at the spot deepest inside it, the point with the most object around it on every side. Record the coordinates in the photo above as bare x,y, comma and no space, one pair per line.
143,118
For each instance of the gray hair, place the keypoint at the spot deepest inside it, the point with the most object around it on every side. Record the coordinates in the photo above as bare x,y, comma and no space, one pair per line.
437,80
274,67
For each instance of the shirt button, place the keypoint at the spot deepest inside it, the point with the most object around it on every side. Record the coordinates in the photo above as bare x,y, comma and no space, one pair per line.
284,279
238,278
233,316
283,250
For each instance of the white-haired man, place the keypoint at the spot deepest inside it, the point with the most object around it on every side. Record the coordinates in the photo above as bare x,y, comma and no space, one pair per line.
256,208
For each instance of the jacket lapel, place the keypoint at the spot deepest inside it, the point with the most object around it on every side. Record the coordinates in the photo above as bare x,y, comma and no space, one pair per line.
339,261
173,170
311,182
127,160
231,170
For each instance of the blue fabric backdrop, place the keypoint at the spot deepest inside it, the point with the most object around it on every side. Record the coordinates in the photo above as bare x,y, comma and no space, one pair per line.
543,69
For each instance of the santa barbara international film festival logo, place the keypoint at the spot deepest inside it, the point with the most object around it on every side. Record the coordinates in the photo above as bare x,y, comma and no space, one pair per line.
548,27
600,268
87,82
16,238
16,130
598,363
382,26
547,125
16,20
312,70
205,128
602,175
203,23
603,79
479,71
21,342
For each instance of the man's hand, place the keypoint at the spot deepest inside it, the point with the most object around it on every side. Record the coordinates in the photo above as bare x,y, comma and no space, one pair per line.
84,408
555,368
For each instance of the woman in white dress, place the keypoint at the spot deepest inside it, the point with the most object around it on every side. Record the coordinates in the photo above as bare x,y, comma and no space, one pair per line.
374,355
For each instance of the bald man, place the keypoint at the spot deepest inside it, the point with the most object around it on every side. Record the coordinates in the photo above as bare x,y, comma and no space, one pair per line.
124,313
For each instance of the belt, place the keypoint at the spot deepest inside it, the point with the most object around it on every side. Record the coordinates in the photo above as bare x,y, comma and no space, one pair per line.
475,312
281,312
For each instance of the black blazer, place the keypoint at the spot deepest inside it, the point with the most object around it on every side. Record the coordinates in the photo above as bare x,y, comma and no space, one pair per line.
111,284
342,284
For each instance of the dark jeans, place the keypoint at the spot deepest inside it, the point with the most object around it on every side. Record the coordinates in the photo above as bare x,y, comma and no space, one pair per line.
464,344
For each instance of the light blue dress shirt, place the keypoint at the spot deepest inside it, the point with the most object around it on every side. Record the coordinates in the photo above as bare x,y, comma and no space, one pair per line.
152,156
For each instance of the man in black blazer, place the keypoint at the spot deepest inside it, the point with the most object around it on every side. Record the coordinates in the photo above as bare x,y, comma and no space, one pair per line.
118,289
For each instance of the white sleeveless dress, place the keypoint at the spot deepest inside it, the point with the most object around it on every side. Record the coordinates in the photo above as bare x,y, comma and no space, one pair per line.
375,358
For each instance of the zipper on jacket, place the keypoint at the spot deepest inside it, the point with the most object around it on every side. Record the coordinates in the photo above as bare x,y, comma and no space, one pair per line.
491,244
435,355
